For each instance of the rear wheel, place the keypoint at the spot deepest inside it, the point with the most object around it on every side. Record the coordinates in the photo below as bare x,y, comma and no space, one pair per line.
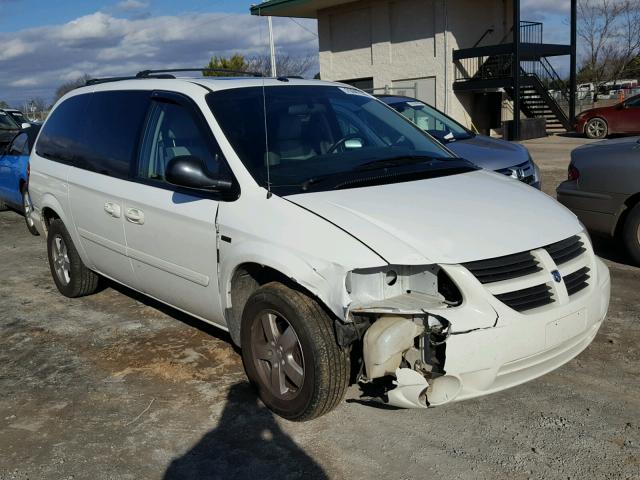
290,353
631,234
70,275
27,210
596,128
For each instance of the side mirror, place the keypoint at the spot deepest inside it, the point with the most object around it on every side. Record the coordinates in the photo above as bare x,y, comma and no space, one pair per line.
189,172
25,125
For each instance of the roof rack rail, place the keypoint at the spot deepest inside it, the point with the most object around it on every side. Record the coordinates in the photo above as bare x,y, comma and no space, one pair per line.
95,81
153,73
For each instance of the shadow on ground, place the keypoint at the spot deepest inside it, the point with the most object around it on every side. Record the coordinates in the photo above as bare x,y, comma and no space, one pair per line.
246,444
611,249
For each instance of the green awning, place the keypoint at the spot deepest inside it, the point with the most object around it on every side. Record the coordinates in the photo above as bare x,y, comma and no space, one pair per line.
294,8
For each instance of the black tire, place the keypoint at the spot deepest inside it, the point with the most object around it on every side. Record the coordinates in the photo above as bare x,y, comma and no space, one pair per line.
631,233
27,208
596,128
80,281
325,365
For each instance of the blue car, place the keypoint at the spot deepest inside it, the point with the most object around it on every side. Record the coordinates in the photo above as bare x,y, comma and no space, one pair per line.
14,174
504,157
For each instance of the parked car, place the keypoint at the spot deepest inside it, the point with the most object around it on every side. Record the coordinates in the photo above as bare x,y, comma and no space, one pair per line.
17,115
603,189
8,128
508,158
317,226
14,175
622,118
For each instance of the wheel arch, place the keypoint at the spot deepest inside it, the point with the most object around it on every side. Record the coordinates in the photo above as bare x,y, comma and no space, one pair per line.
629,203
240,278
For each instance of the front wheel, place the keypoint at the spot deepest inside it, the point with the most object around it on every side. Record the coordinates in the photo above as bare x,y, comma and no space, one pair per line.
596,128
27,210
290,353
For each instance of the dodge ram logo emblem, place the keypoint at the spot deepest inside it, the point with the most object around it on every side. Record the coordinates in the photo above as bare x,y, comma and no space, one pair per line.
556,276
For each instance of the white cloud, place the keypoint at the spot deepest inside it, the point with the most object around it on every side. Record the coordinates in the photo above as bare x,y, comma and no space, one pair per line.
34,62
536,10
127,5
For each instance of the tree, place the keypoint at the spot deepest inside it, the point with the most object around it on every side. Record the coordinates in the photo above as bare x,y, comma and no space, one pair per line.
235,62
610,31
66,87
286,65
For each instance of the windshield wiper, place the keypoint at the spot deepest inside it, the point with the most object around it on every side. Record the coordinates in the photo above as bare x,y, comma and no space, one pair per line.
397,161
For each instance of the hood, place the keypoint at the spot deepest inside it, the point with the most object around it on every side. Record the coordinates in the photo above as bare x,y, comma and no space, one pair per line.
593,111
489,153
453,219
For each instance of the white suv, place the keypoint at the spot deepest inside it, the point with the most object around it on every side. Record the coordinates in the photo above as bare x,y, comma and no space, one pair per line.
325,232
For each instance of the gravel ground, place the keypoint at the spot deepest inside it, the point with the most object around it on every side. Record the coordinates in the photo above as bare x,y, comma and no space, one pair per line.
115,386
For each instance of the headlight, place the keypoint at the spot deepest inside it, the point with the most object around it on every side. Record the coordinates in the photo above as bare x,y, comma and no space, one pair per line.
368,285
536,172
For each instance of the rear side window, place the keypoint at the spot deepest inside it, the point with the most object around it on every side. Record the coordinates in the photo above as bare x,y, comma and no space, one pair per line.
97,131
113,122
60,138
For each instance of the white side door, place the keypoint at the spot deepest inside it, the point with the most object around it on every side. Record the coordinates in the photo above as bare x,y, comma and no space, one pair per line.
171,232
105,145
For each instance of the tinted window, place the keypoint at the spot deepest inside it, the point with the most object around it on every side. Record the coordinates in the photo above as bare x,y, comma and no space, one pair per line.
172,131
633,102
97,132
20,145
112,125
60,138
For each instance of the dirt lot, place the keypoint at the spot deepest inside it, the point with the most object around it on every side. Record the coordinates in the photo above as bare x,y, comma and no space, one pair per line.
114,386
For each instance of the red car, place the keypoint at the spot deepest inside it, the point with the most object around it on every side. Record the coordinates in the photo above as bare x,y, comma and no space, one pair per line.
623,117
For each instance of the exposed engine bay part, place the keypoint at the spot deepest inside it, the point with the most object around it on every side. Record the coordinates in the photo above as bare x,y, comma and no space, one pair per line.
385,342
411,389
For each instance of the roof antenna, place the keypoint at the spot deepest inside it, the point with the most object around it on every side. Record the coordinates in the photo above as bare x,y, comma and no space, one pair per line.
267,157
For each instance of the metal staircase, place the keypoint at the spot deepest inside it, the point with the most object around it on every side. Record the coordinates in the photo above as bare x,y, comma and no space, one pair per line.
492,67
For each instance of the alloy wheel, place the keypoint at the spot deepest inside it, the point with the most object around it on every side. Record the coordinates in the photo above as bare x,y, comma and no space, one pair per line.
61,263
596,128
28,208
277,355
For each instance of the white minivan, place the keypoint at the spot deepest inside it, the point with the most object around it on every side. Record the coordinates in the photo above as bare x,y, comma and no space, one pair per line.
331,237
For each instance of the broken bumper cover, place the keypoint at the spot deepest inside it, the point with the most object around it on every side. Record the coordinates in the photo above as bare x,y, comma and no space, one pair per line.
521,347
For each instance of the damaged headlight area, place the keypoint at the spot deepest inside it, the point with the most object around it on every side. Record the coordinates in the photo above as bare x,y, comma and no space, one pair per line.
399,312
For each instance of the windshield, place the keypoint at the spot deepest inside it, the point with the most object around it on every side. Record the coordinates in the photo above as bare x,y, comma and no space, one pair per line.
6,122
431,120
18,117
323,137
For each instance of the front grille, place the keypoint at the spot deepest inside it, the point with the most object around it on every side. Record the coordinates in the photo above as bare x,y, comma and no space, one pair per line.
577,280
566,250
503,268
523,172
527,298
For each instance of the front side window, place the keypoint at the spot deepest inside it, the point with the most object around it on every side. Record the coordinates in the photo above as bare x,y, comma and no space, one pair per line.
314,137
20,145
633,102
173,132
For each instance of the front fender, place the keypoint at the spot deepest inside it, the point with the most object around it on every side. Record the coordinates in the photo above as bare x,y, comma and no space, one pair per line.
323,279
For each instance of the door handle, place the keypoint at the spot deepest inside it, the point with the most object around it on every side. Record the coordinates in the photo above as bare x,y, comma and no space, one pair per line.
112,209
134,215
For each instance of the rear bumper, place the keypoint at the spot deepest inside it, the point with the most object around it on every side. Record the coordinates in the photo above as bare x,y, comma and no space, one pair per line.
523,347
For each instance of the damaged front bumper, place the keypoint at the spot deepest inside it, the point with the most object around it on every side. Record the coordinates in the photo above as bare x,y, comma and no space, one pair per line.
487,346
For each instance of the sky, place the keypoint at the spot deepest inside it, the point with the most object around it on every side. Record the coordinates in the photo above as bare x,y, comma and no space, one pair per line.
44,43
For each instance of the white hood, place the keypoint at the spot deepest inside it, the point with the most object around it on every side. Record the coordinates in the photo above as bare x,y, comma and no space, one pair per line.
451,219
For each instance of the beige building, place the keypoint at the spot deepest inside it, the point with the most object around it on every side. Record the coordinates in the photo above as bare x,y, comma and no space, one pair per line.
414,47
